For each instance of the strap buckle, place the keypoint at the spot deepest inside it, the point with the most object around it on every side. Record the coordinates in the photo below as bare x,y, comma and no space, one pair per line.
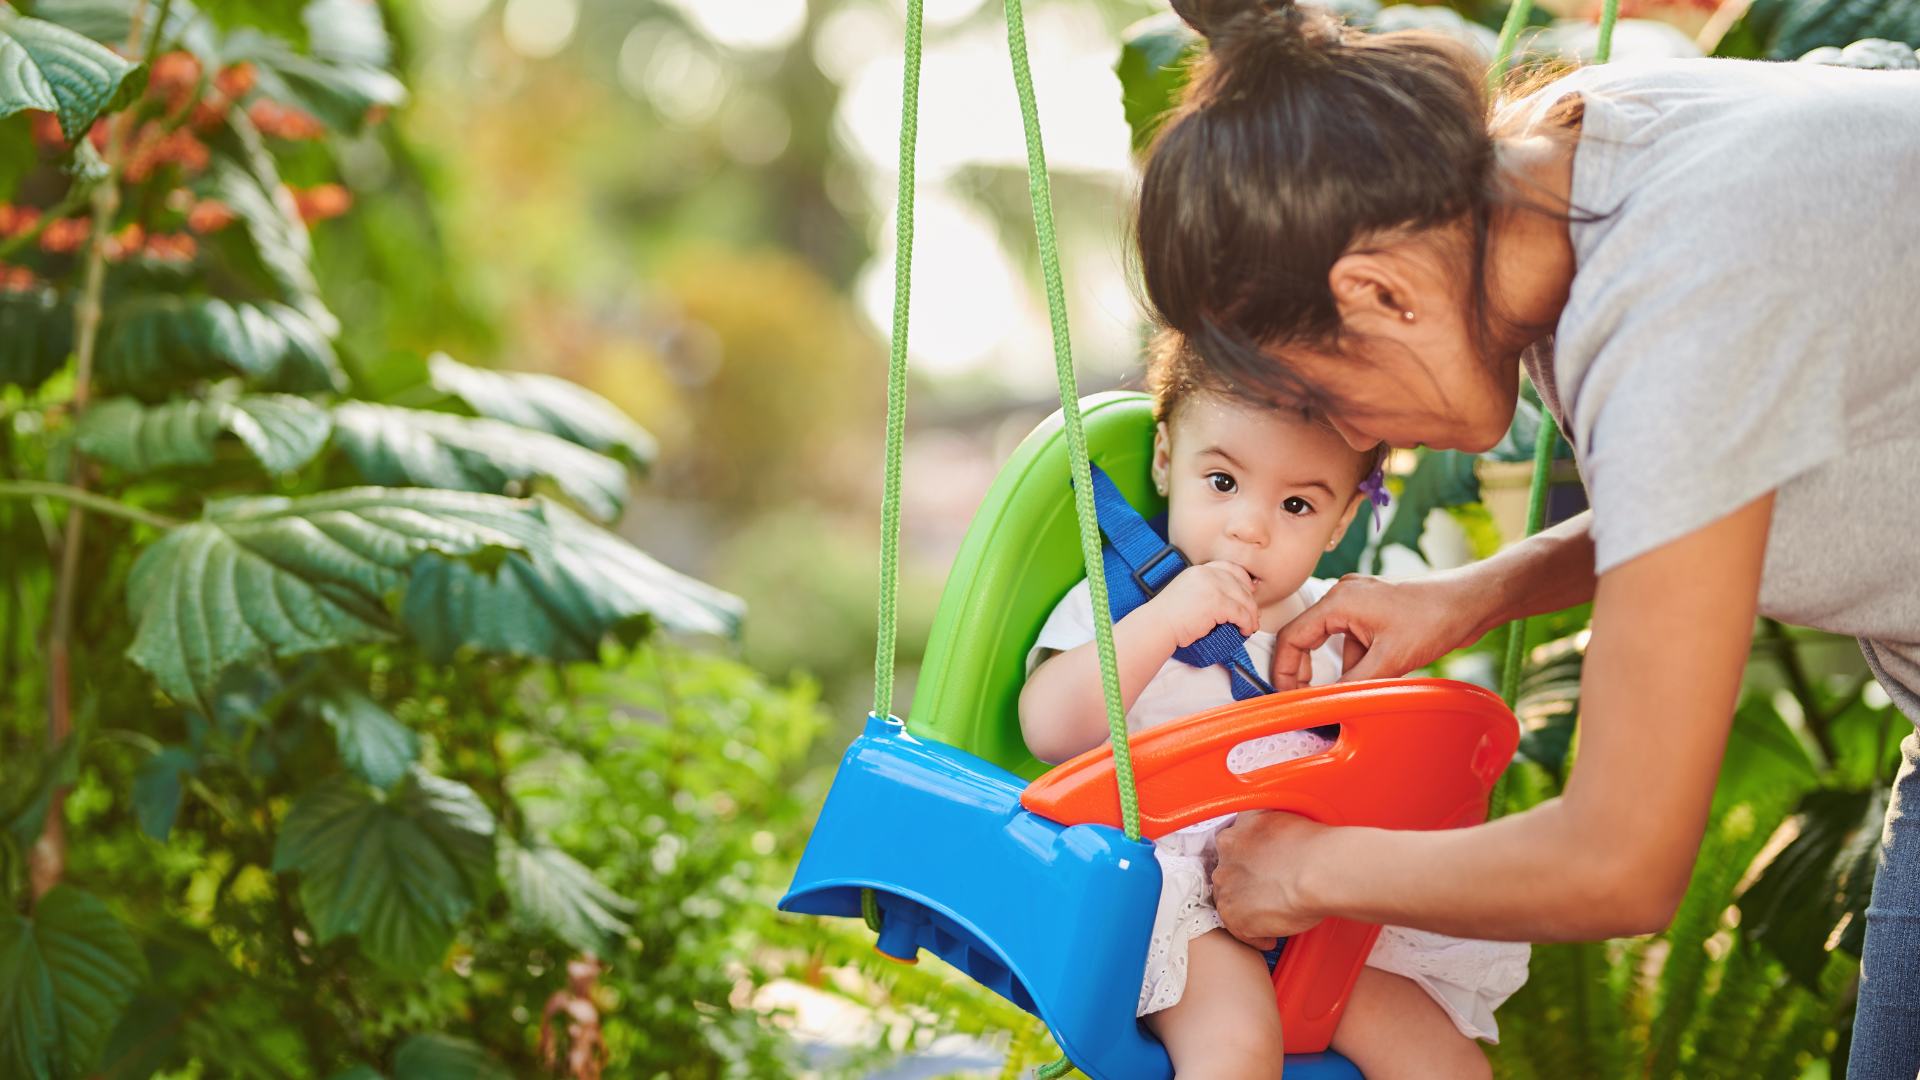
1140,572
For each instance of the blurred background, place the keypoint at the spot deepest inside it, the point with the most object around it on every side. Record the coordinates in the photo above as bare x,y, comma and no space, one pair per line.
687,206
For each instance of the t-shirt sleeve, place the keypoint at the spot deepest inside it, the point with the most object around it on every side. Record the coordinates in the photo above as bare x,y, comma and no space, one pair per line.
1069,627
1716,330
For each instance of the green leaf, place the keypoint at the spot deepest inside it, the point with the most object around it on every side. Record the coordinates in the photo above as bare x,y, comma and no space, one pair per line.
243,175
36,336
397,874
154,342
51,68
545,403
373,745
1823,876
1153,70
1764,763
156,789
551,891
66,973
1789,29
1442,478
284,432
338,92
347,32
359,1072
396,446
26,812
262,578
558,601
432,1056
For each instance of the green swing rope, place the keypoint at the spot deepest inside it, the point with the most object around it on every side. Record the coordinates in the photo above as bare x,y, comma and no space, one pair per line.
1548,437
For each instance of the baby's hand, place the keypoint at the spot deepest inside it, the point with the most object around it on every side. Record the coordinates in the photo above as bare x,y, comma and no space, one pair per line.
1203,597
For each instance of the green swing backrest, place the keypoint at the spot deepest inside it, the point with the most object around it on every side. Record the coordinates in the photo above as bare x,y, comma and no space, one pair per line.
1020,556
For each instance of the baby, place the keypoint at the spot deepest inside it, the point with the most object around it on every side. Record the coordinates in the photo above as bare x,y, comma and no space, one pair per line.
1255,495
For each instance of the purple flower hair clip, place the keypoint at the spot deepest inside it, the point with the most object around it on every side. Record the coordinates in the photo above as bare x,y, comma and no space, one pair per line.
1375,489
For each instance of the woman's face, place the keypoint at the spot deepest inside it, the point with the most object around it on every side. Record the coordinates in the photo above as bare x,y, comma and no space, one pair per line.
1424,383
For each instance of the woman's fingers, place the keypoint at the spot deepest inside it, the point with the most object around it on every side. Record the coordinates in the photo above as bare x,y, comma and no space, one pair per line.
1254,886
1392,626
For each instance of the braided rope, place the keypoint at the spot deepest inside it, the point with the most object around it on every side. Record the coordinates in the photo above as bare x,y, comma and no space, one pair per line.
1041,193
897,374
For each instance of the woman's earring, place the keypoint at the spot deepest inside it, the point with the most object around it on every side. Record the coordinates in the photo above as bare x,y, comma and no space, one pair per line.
1407,315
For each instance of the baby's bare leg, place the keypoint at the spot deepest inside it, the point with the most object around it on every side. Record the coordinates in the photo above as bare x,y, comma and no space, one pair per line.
1225,1026
1393,1031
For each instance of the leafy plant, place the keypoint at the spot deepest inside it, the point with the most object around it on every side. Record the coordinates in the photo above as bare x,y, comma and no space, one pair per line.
314,642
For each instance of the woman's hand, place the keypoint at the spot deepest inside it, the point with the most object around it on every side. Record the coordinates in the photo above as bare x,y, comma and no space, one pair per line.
1394,625
1256,886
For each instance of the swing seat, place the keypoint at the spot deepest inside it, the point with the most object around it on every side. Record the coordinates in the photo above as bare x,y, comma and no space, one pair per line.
1032,889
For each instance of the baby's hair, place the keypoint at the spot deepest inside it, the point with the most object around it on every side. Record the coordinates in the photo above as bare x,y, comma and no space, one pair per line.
1176,373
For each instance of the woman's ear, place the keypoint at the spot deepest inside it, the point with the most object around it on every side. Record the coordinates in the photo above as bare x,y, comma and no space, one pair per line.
1162,457
1368,286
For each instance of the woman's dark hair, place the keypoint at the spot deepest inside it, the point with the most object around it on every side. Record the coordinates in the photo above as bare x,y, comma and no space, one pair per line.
1296,136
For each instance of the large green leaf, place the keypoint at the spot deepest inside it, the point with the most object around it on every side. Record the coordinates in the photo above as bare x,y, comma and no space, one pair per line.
154,342
282,431
26,807
51,68
545,403
259,578
560,600
36,336
433,1056
397,873
110,22
66,972
396,446
243,175
156,789
1789,29
1823,877
373,745
336,84
551,891
1153,68
1442,478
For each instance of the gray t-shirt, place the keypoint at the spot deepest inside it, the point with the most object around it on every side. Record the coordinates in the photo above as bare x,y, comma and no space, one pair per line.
1745,318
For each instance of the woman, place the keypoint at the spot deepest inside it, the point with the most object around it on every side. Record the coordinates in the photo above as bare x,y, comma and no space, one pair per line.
1708,269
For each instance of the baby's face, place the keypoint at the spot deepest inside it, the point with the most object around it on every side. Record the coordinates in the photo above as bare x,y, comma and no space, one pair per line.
1260,488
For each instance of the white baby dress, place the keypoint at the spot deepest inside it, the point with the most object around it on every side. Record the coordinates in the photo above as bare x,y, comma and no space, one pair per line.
1467,978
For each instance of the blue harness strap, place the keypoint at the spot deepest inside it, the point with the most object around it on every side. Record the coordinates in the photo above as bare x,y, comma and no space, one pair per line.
1140,562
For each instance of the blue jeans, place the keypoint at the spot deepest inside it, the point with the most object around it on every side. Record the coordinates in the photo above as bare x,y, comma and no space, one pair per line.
1886,1030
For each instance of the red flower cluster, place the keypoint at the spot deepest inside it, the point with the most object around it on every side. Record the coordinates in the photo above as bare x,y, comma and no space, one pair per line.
126,242
174,79
46,132
64,237
171,247
281,122
17,220
322,202
209,216
16,279
154,147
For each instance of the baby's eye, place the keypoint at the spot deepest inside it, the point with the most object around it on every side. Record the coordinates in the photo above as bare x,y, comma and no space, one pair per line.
1221,482
1297,506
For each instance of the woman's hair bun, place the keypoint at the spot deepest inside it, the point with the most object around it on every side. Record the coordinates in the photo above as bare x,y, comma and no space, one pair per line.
1281,24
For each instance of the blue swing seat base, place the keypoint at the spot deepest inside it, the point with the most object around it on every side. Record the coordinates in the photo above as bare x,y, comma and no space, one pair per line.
1054,918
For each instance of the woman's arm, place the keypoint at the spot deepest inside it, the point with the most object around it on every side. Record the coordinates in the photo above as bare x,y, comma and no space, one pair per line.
1405,623
1611,856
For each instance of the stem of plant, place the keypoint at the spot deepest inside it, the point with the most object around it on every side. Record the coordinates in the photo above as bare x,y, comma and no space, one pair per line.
48,862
